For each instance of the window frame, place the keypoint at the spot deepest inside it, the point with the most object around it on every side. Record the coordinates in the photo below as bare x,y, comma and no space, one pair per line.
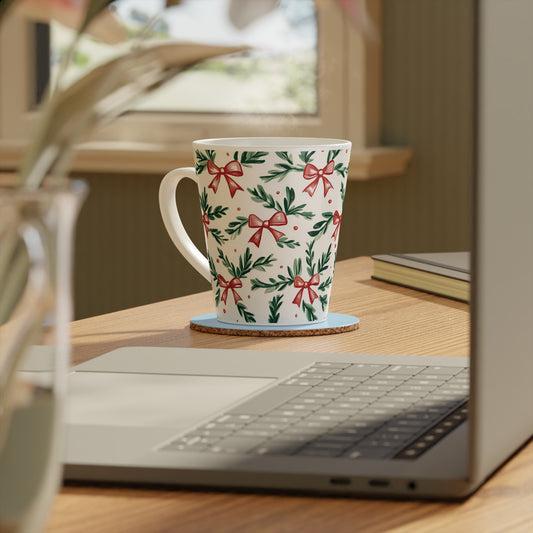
349,74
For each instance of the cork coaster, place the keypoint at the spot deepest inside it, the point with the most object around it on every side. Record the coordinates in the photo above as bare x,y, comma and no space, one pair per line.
335,323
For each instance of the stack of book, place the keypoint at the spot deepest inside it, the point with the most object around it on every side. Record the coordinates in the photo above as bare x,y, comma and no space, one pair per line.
445,274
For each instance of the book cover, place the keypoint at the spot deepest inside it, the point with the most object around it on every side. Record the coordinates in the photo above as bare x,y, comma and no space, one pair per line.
445,274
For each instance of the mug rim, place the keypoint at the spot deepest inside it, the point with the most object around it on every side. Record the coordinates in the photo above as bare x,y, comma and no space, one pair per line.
273,143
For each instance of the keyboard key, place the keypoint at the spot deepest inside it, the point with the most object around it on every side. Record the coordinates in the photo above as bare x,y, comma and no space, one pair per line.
327,364
318,452
422,389
357,411
391,407
374,452
243,418
369,386
324,447
397,439
347,379
436,382
319,417
404,401
357,393
317,373
291,414
299,405
268,400
261,426
402,421
392,428
202,432
352,434
442,370
403,370
257,432
281,420
237,444
277,447
302,382
329,389
432,377
299,437
362,370
317,425
340,438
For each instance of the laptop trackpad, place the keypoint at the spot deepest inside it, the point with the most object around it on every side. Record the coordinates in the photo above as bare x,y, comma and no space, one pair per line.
152,400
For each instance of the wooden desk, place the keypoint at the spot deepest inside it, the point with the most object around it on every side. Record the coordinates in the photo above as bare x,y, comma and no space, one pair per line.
393,320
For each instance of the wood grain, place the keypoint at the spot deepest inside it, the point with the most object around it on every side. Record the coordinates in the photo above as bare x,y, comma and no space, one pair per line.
393,320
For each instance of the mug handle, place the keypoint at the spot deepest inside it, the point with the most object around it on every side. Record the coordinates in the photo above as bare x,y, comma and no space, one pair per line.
172,220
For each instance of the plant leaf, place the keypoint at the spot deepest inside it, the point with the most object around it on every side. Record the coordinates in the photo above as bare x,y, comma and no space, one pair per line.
102,95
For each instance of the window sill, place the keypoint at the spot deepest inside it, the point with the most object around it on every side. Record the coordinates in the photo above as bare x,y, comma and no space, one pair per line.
141,158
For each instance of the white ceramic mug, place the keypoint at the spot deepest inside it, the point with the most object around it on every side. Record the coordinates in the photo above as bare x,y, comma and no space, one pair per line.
271,212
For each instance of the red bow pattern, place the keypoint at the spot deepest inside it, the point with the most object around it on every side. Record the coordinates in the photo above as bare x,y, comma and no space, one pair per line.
313,173
233,168
337,217
235,283
299,283
277,219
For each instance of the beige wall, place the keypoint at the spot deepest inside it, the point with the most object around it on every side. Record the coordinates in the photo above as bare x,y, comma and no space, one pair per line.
427,105
125,258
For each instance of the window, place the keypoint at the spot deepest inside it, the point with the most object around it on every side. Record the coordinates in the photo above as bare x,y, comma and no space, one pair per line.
342,100
277,76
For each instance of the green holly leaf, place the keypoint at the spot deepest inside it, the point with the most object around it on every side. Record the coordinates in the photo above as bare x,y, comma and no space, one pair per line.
286,156
306,157
289,243
296,210
279,172
252,158
217,235
323,301
324,260
274,306
245,264
259,195
213,270
310,258
202,159
309,311
227,263
216,212
248,317
262,262
341,169
296,269
274,284
332,154
235,226
321,227
214,277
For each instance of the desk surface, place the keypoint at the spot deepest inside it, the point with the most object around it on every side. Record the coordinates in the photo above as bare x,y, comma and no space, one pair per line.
393,320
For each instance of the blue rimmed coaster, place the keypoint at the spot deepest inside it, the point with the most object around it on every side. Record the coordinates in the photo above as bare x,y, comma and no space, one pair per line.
335,323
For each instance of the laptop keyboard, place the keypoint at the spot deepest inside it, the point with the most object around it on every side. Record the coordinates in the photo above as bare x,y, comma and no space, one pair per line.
346,410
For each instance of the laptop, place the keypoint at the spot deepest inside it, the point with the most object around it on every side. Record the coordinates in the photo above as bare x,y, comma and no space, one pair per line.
356,424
